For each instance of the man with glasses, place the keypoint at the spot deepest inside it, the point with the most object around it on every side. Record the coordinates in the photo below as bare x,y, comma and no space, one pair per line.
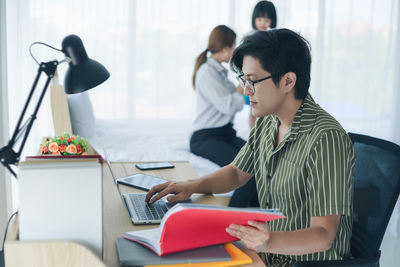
301,157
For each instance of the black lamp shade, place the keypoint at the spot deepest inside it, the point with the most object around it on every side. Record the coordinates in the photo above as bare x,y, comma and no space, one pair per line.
83,73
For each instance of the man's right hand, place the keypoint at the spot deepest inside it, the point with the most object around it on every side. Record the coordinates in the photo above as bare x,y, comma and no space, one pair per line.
181,190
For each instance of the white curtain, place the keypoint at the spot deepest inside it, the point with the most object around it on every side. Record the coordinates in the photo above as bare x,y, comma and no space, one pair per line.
149,47
5,202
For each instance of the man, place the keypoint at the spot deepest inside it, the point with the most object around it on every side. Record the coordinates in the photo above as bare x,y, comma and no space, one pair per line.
301,157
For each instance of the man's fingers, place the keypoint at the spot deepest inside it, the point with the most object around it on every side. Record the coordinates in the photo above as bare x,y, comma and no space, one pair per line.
241,231
263,226
161,189
245,229
235,233
161,194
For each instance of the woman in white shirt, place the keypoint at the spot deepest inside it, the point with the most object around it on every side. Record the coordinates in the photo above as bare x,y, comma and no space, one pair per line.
218,100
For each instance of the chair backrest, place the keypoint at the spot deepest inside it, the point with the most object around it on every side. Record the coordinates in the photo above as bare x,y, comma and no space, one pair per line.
376,190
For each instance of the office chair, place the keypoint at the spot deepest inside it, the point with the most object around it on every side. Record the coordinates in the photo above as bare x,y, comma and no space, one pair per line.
376,190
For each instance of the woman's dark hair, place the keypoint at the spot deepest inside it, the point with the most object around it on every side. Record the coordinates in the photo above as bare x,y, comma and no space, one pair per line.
264,9
220,37
279,51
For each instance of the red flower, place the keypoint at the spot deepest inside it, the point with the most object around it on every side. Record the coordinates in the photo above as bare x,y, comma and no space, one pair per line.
78,149
69,140
62,148
44,149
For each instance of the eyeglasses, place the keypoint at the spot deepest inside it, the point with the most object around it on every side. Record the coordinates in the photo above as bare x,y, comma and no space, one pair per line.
251,83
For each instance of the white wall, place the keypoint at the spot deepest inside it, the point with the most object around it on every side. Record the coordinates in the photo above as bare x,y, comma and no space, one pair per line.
5,187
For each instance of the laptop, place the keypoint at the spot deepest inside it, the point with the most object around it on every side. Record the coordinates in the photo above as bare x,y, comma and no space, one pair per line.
140,211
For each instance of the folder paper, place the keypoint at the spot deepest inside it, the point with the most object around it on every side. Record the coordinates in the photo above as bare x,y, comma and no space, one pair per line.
188,226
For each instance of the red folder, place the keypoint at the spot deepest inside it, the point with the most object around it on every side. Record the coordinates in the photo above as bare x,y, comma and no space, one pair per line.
188,226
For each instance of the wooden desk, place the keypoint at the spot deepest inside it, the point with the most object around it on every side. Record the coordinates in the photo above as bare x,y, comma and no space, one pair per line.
115,216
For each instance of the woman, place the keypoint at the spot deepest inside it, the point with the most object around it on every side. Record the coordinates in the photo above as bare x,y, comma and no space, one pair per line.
263,19
264,16
218,100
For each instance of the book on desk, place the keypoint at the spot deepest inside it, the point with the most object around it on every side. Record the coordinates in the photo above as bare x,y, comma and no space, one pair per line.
188,226
134,254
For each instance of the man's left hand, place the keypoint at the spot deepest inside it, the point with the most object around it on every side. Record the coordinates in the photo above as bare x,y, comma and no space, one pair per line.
256,236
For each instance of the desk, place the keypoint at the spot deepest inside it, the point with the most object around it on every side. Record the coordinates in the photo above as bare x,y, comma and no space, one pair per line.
115,216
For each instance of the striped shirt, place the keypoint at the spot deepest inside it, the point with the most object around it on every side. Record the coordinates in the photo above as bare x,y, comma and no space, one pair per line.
309,173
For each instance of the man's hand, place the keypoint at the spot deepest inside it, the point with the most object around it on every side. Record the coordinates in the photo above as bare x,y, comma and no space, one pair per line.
256,236
181,191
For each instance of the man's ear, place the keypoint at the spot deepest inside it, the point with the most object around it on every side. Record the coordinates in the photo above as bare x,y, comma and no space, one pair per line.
288,81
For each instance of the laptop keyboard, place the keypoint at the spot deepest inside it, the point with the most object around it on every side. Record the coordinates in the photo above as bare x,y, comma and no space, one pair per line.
145,211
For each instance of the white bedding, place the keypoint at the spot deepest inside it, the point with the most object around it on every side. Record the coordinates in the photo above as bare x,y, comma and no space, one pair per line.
147,140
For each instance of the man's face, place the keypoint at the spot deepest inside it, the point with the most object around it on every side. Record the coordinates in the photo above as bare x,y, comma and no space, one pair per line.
267,98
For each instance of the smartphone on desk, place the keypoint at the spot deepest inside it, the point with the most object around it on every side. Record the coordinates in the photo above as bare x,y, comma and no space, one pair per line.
154,166
141,181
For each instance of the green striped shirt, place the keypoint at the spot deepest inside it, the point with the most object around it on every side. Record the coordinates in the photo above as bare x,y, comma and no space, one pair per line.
309,173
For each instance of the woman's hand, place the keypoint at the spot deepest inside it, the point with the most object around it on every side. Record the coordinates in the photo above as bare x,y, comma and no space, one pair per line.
181,191
239,90
256,236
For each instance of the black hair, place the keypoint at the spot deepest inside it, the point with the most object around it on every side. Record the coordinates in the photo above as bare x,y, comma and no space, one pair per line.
279,51
264,9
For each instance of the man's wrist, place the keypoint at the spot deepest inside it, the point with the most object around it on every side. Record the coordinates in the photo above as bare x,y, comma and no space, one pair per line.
197,186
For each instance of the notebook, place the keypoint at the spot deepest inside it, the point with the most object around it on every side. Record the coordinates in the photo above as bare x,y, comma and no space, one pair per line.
134,254
140,211
143,213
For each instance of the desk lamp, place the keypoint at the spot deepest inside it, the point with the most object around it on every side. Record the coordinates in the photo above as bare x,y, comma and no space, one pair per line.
83,74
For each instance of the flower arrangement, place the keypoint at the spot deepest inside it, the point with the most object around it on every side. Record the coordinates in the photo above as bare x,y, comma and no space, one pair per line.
64,145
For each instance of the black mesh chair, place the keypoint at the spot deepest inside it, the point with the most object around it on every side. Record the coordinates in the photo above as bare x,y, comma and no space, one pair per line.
376,190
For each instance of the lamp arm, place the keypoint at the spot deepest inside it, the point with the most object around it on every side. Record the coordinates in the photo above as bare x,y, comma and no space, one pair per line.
7,154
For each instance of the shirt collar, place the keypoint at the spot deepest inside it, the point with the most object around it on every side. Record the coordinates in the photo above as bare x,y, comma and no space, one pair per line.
216,65
304,120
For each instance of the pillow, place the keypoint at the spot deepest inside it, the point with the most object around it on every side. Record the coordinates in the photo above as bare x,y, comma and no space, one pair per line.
82,117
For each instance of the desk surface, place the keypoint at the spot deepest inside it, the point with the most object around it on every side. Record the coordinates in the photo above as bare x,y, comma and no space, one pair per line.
115,216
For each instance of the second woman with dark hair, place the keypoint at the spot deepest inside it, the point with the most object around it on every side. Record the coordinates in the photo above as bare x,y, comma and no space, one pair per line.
264,16
218,100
